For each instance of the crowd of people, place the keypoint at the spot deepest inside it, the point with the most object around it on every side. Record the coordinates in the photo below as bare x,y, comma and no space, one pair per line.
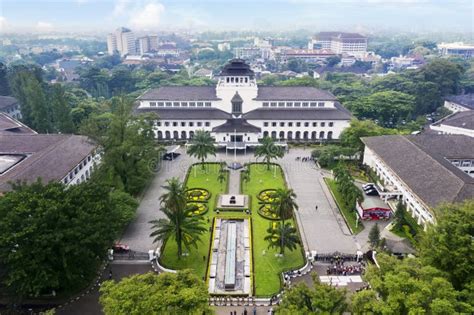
345,270
304,159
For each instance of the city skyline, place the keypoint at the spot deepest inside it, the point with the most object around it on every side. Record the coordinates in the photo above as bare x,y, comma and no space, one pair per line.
44,16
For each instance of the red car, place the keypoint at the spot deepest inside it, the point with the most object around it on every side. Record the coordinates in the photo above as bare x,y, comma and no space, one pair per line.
120,248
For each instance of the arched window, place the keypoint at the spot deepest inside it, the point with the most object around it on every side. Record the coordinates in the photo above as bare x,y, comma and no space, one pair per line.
191,134
321,135
314,135
305,135
330,135
282,135
290,135
265,134
167,135
183,135
175,135
274,134
160,135
298,135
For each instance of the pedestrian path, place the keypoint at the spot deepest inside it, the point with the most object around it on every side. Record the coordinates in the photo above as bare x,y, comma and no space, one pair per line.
234,182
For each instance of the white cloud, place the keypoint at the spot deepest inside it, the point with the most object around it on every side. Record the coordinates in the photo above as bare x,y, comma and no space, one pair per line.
147,16
120,8
44,27
3,24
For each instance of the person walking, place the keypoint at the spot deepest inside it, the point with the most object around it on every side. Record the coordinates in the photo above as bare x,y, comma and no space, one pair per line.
316,207
254,310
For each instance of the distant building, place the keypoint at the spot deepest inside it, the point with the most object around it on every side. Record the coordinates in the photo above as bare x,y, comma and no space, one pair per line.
459,103
423,170
26,156
459,123
121,41
204,73
223,46
10,106
339,42
147,44
247,52
308,55
262,42
456,49
168,50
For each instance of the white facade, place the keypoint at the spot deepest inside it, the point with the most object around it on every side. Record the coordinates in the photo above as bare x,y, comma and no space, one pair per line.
122,41
340,43
83,171
13,111
451,130
456,49
455,107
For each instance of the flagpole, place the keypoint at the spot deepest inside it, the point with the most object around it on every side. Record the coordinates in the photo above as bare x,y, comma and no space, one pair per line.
235,145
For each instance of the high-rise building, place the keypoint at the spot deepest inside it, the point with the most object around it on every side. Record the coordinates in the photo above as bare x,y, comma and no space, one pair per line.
340,42
147,44
121,41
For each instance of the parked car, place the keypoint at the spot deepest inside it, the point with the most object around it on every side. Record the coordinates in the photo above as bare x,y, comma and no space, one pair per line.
120,248
368,185
170,156
371,192
368,188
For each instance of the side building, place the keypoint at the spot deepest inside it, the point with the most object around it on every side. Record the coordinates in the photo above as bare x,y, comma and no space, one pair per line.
340,42
238,112
26,156
459,103
10,106
459,123
423,170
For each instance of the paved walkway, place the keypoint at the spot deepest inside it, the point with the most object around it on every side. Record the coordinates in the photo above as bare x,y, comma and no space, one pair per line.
234,182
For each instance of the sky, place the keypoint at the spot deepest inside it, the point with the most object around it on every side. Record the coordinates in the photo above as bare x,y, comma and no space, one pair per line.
99,16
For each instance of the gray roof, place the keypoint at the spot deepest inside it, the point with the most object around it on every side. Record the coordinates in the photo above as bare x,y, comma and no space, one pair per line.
49,157
464,120
466,100
292,93
181,93
420,162
237,125
343,35
7,101
181,113
269,113
9,125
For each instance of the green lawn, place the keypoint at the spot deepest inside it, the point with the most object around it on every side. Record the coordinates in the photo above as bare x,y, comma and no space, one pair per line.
267,267
348,214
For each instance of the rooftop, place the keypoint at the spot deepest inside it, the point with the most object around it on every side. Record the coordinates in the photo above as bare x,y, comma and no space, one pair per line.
291,93
7,101
8,126
186,113
181,93
237,125
464,120
337,113
421,162
49,157
237,67
341,35
466,100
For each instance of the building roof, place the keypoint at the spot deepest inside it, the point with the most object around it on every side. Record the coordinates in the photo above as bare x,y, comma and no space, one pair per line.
181,113
237,125
7,101
466,100
181,93
292,93
8,125
421,162
266,113
341,35
236,98
49,157
237,67
464,120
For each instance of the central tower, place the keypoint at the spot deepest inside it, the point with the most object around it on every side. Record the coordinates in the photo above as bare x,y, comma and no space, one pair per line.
237,78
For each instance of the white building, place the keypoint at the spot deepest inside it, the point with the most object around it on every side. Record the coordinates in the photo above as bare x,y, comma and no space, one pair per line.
10,106
423,170
238,112
459,103
340,42
456,49
121,41
459,123
223,46
26,156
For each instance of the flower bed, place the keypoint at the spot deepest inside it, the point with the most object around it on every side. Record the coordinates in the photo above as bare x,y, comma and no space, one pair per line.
198,195
266,211
266,195
200,208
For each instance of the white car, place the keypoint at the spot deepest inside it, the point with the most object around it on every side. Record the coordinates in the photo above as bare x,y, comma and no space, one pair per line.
368,185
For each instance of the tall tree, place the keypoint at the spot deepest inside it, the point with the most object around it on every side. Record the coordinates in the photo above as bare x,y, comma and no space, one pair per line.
167,293
374,236
62,119
320,299
40,112
351,135
284,203
269,151
4,86
201,146
282,237
175,196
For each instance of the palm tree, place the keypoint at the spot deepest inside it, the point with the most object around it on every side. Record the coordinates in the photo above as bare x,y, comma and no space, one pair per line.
282,236
202,145
245,175
268,150
185,230
175,197
283,203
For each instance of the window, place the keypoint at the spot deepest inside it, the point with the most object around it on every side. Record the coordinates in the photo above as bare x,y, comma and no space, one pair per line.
207,124
176,104
290,124
200,104
273,104
161,104
199,124
183,124
289,104
274,124
312,104
297,104
305,104
281,104
191,124
306,124
315,124
207,104
265,104
298,124
331,124
158,124
282,124
320,104
153,104
192,104
236,107
184,104
323,124
168,104
265,124
167,123
175,124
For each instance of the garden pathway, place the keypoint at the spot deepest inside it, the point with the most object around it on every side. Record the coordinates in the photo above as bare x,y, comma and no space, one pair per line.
234,182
